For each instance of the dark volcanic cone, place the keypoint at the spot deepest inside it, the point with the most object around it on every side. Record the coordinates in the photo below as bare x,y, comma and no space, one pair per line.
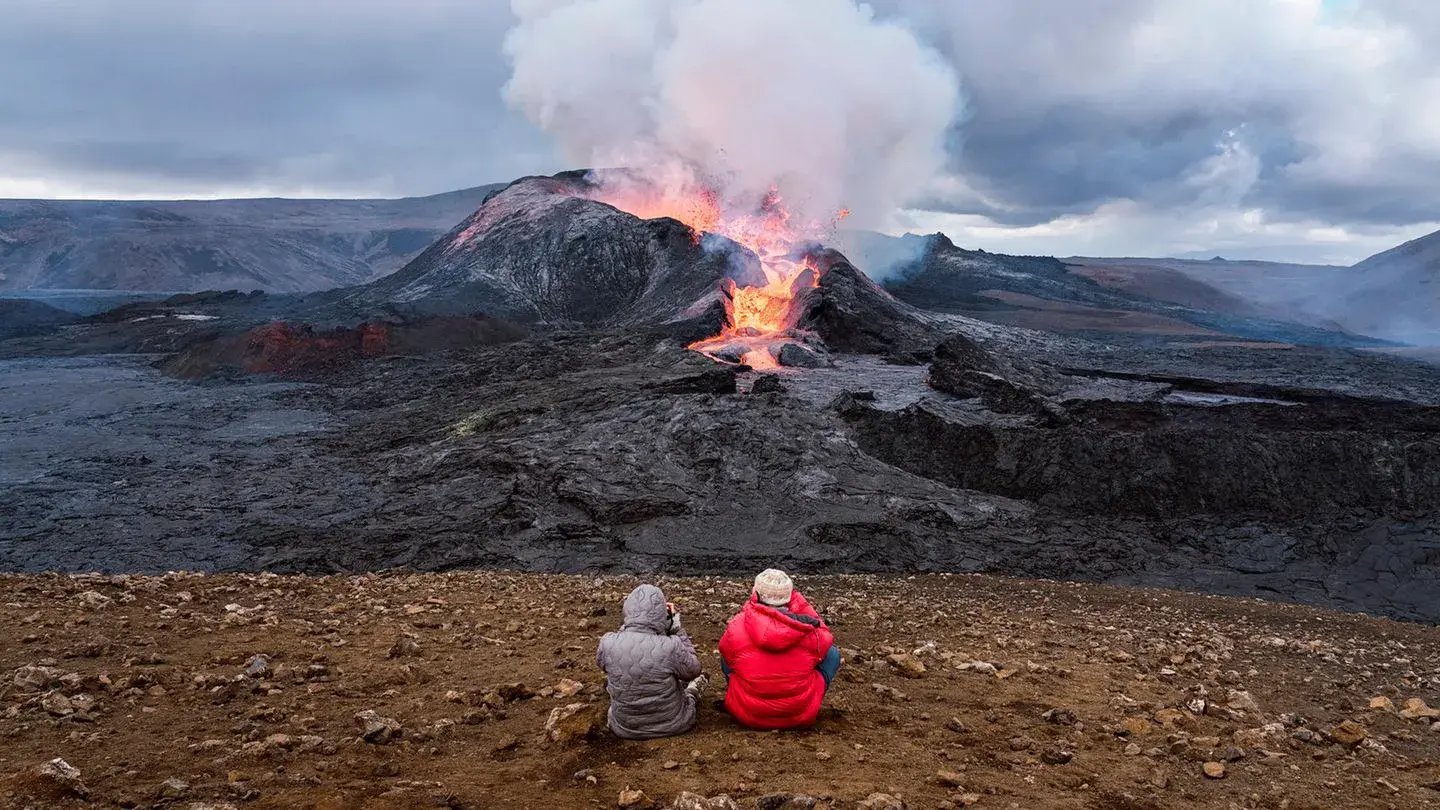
540,251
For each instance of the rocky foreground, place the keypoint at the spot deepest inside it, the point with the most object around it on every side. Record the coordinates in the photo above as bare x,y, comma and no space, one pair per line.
479,690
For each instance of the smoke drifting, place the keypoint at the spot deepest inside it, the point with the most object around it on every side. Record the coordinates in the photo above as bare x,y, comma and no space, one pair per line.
816,99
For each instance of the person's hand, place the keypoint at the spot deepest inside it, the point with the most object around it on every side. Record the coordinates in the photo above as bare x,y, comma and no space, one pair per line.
670,607
674,623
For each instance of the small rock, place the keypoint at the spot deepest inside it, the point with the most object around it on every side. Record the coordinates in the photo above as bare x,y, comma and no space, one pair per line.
568,688
1416,709
1241,701
172,789
1132,750
888,692
1060,717
957,725
1348,733
882,801
632,798
572,723
62,778
907,665
952,779
968,799
258,666
694,801
1214,770
768,384
57,704
797,356
403,647
376,729
1382,703
94,600
670,765
1056,756
35,679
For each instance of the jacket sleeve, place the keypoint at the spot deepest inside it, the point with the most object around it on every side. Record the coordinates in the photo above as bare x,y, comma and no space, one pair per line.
600,654
685,663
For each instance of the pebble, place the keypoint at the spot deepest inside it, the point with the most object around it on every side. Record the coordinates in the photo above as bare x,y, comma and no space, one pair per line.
1214,770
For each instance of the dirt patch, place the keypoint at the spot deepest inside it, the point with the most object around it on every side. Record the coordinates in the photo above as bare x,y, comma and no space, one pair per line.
243,689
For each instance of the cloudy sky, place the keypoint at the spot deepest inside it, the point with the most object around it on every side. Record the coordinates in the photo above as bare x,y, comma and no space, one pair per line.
1283,129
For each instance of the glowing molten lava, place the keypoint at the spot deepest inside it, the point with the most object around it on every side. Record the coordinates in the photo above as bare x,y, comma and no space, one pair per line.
758,319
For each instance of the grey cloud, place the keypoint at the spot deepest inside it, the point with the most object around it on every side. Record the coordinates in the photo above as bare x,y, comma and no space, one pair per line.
363,96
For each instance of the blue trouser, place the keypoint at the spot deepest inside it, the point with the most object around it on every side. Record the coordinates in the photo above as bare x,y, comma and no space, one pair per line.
828,666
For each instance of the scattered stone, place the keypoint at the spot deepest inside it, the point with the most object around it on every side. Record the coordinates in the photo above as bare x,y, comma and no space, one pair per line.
768,384
952,779
882,801
376,729
957,725
1060,717
694,801
1416,709
403,647
1135,727
568,688
1348,733
1056,756
907,665
57,704
36,679
572,723
797,356
258,666
1241,701
888,692
1382,703
633,798
62,778
1214,770
172,789
94,600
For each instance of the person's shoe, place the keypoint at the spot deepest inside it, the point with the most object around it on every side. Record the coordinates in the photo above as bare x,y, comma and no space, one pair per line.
697,686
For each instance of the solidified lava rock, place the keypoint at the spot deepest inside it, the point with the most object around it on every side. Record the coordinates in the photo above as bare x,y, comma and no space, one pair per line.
963,368
851,313
283,348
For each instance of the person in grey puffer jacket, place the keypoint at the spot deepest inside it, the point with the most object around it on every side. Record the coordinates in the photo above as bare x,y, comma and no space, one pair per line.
651,670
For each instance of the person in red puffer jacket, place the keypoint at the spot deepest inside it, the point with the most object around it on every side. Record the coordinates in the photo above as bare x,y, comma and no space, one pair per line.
778,657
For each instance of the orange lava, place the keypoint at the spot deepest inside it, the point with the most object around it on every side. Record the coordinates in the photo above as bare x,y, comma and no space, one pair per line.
758,318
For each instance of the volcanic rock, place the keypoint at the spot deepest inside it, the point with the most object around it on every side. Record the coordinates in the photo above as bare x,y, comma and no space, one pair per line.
573,722
541,250
796,356
851,313
376,729
61,779
767,384
694,801
1347,732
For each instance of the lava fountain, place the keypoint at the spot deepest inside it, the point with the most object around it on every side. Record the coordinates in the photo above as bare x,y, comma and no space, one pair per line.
758,318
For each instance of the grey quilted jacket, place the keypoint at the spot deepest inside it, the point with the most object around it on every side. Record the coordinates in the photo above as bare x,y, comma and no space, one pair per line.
646,671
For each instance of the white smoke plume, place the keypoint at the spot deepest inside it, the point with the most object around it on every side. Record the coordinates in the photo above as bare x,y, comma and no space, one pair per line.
819,99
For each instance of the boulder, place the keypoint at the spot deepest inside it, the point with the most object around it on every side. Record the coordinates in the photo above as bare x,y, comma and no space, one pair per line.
574,722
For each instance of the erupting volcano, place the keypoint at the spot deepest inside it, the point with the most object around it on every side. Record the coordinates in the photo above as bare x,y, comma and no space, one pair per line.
758,318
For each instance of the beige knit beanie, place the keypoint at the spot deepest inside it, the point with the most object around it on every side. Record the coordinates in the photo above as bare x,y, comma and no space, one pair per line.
774,587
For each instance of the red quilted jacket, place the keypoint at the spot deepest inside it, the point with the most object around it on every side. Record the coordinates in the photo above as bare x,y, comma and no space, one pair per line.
772,658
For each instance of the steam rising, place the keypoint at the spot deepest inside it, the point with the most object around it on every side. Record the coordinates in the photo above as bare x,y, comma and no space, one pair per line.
815,98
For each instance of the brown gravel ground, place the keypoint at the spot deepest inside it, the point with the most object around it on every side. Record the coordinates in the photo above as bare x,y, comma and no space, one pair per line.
140,683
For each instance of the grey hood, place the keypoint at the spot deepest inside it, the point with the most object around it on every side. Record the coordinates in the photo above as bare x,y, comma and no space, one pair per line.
645,610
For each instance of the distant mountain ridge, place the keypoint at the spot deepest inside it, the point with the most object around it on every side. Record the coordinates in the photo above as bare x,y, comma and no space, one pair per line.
276,245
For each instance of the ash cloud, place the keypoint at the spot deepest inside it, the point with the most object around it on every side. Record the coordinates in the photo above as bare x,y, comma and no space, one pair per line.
834,108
